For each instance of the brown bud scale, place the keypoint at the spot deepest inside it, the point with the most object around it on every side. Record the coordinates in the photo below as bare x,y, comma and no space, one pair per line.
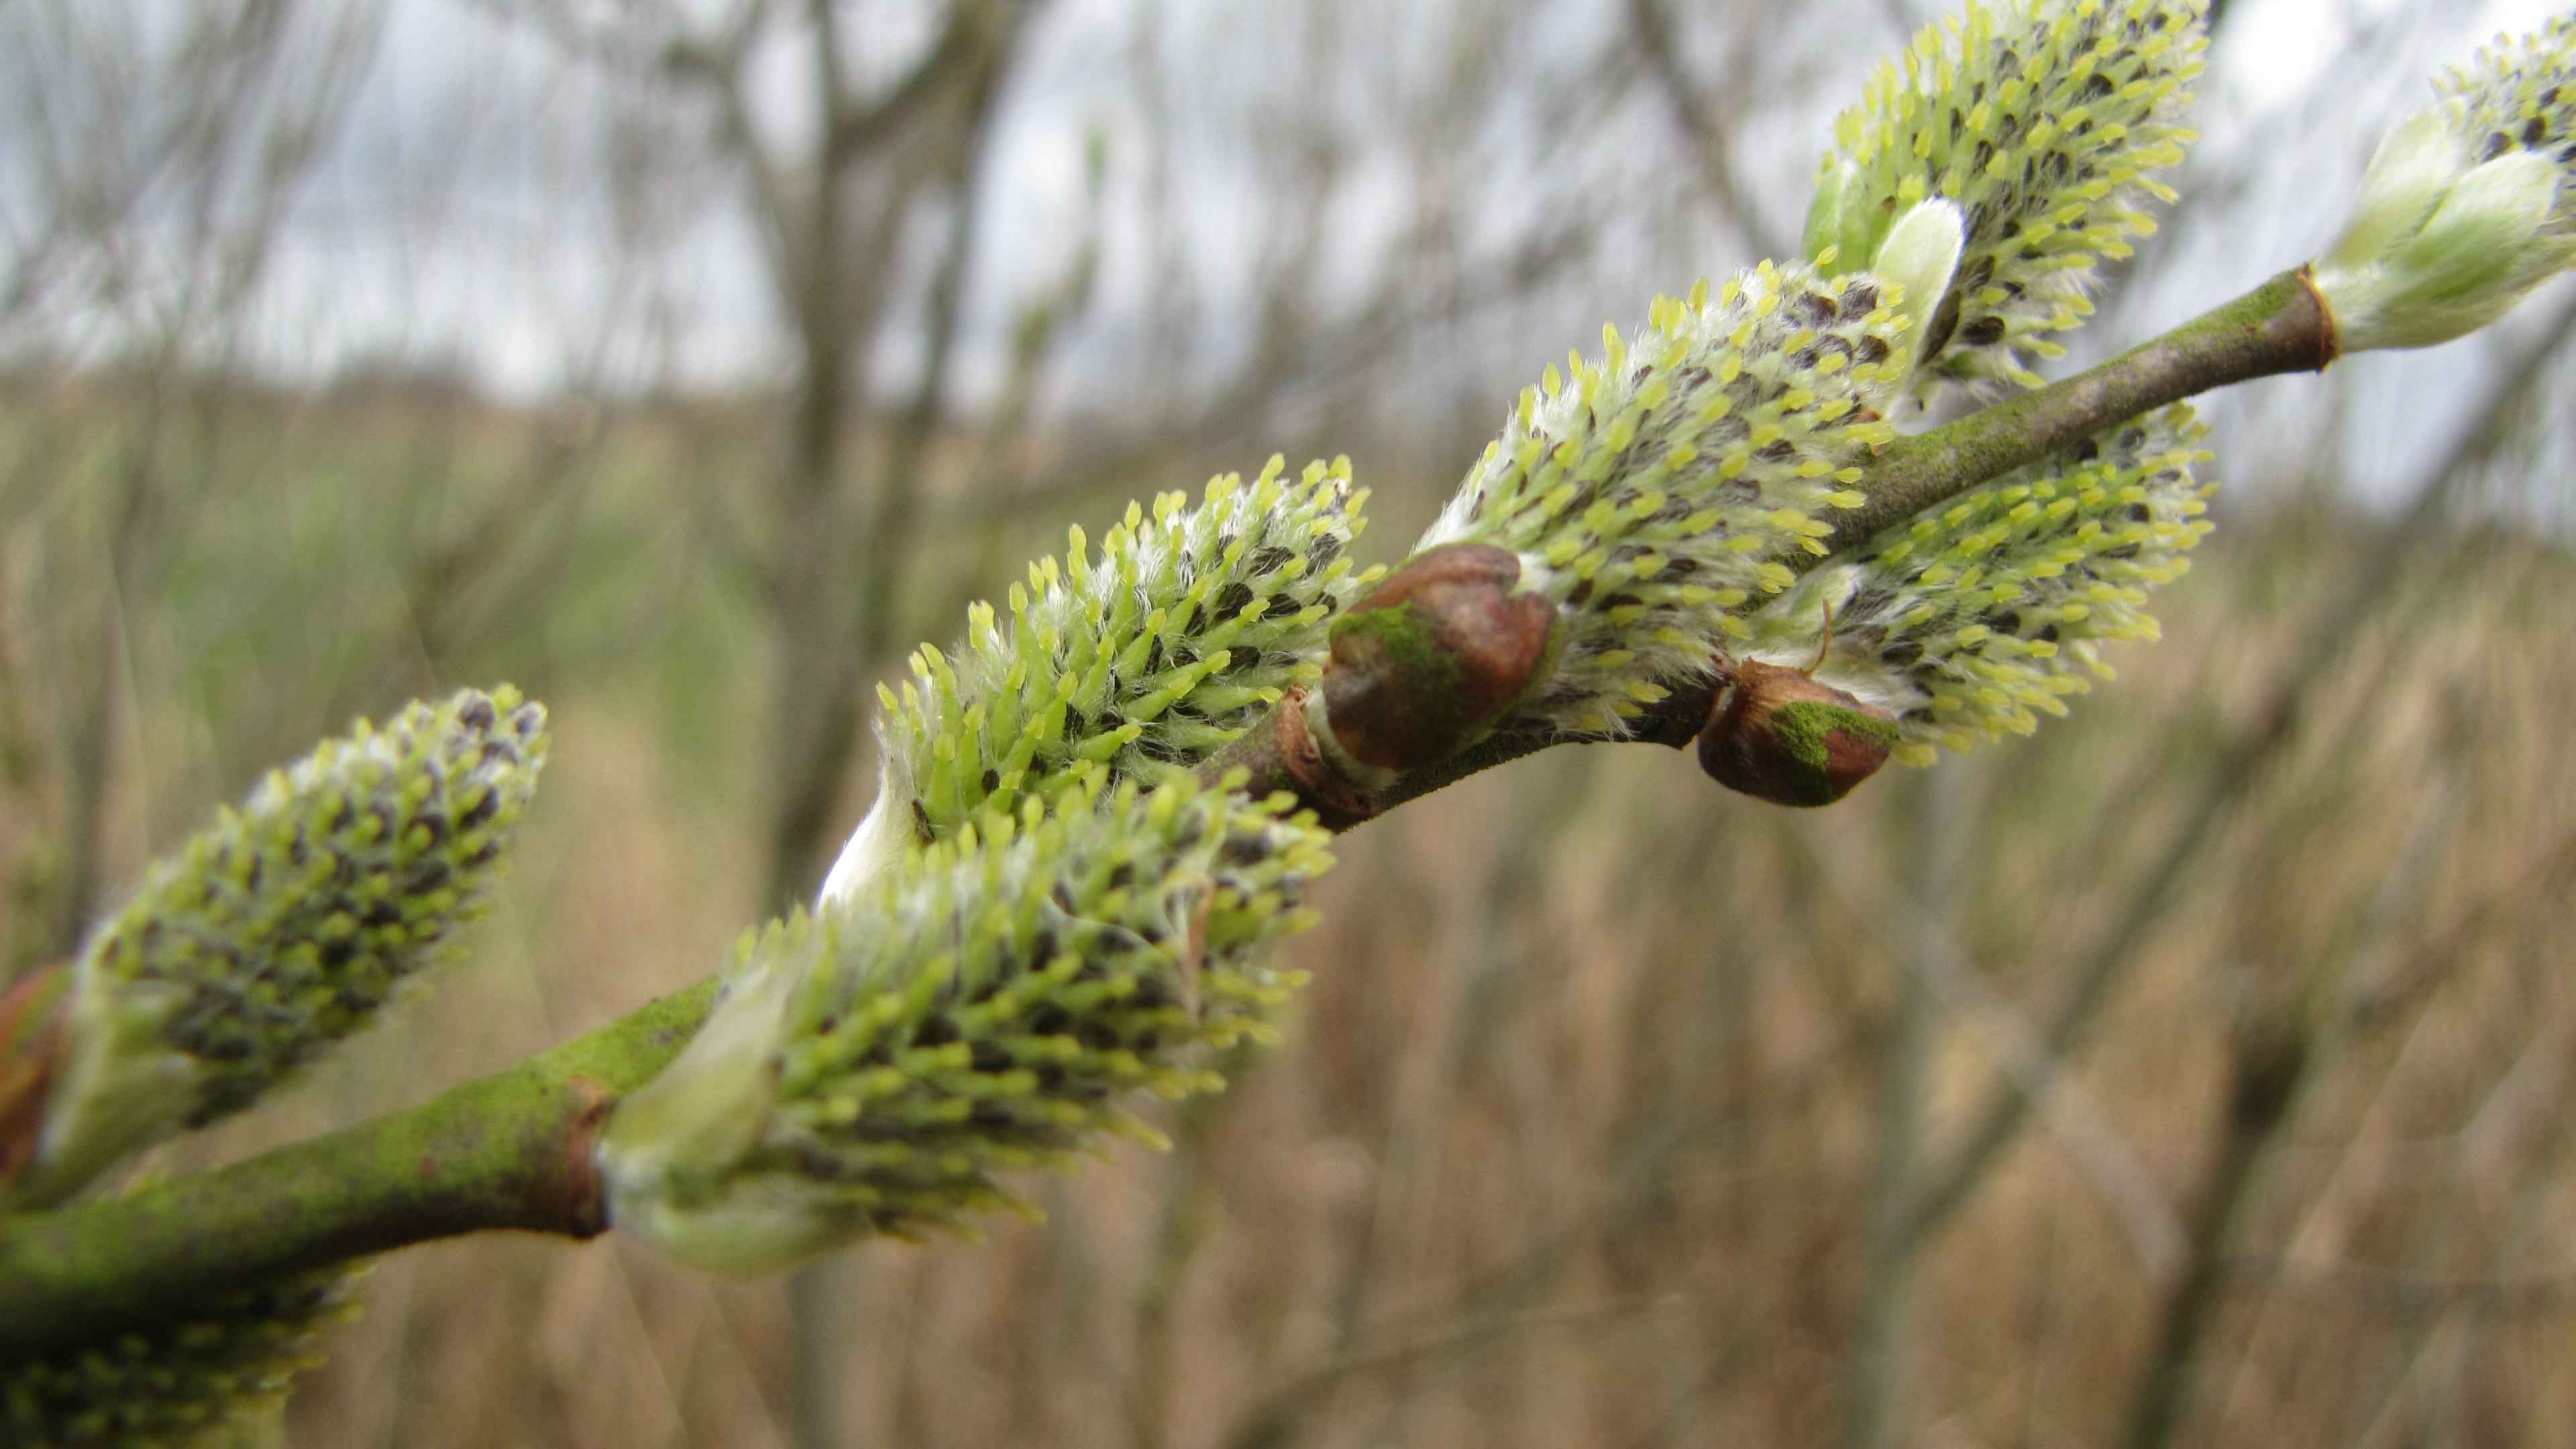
1778,733
1431,656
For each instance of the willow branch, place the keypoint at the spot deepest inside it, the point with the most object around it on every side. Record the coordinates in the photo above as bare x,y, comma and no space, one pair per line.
509,1151
513,1150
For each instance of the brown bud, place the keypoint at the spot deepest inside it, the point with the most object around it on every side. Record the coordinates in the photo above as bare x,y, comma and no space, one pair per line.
1432,655
1945,322
1779,734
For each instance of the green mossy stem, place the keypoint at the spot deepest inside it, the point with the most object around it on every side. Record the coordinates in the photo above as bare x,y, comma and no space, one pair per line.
2280,326
512,1150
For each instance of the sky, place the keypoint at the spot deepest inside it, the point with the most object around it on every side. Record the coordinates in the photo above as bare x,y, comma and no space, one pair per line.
529,294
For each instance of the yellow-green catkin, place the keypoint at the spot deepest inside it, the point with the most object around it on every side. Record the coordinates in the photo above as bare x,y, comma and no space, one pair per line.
2045,121
1144,651
1981,614
203,1376
283,928
985,1005
1654,492
2519,94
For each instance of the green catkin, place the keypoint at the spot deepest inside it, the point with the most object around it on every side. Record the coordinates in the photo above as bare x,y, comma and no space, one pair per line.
1981,614
985,1005
1654,494
199,1377
2045,121
1145,652
283,928
2519,94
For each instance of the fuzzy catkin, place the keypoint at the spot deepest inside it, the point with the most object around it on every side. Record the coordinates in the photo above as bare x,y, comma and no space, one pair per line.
1653,495
2519,94
2044,120
980,1007
200,1376
1980,614
1146,657
283,928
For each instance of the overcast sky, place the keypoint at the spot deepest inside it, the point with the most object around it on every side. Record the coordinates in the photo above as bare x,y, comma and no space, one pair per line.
458,216
518,284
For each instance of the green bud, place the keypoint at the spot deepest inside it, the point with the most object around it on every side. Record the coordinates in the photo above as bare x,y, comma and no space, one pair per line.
284,927
1921,255
1190,622
2044,120
2466,206
2481,251
977,1008
2417,163
214,1374
1844,221
1652,495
